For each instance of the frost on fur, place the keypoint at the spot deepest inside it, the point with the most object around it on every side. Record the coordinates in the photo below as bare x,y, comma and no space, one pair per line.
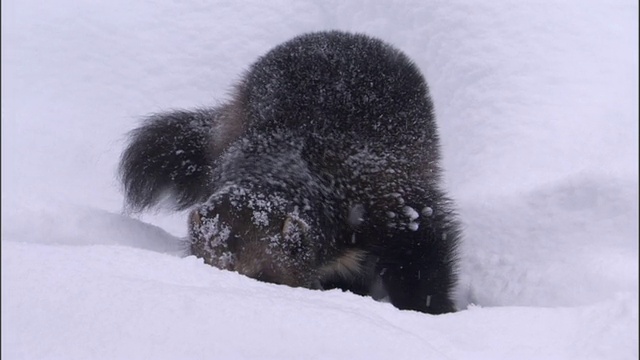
321,172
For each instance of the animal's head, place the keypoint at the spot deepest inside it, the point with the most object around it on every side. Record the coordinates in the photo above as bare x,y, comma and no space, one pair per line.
261,236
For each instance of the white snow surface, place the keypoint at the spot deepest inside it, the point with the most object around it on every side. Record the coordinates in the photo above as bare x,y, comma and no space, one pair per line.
537,105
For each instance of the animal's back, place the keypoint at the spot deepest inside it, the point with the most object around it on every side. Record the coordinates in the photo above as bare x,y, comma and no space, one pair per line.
339,84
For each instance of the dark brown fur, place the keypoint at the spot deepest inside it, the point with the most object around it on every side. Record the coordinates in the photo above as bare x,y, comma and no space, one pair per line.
320,172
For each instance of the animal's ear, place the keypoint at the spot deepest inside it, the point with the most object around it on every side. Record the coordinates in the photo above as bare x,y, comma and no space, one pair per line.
293,224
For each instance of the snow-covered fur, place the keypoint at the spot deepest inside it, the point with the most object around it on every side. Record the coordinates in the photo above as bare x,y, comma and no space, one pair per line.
321,172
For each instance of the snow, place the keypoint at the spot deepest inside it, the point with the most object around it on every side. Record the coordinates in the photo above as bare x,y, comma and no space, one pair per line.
537,105
427,211
410,212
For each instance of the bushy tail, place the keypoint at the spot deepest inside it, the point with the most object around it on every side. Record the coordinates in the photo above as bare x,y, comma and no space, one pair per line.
169,156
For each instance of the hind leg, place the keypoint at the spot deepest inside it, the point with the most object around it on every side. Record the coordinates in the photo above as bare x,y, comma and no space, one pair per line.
417,273
408,290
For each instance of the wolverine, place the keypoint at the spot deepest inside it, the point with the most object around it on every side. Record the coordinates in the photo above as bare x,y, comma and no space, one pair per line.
321,171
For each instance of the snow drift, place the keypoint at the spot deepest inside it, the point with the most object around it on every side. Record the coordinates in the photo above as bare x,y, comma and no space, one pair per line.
537,105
